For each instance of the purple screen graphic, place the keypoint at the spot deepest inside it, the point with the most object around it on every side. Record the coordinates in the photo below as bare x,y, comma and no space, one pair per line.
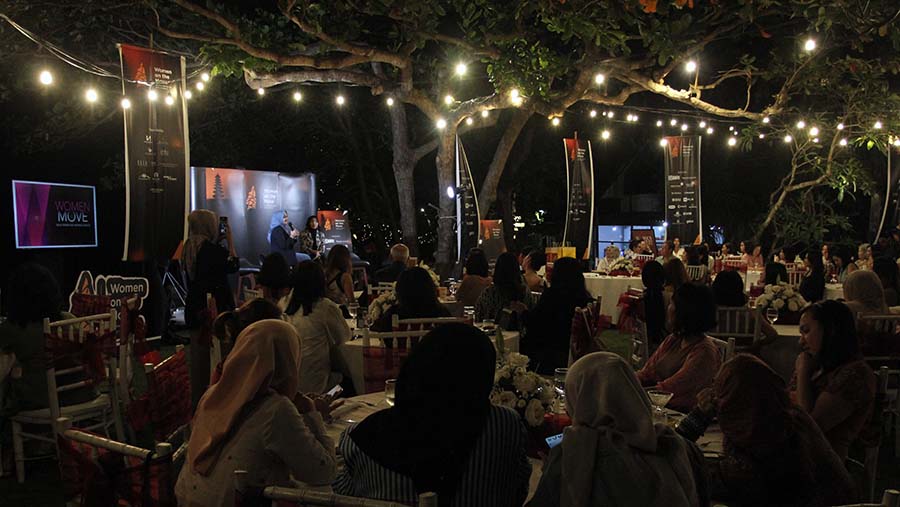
54,215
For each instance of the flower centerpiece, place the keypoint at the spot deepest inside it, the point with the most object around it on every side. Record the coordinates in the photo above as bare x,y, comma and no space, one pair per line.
524,391
783,298
434,276
379,305
622,267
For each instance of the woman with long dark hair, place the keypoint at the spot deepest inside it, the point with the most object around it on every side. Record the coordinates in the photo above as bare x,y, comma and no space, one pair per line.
508,289
833,382
312,239
443,435
416,299
655,303
339,275
475,278
283,237
812,286
322,329
549,324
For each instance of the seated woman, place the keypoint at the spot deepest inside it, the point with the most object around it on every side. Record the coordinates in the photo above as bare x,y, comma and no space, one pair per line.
842,266
416,299
676,276
549,324
812,286
507,291
321,327
728,289
655,305
253,419
229,325
774,274
863,294
833,383
775,454
534,267
339,275
692,253
687,360
274,278
443,435
475,279
612,454
610,257
283,237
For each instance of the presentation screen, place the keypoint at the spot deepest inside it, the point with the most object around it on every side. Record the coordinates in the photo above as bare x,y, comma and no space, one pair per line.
54,215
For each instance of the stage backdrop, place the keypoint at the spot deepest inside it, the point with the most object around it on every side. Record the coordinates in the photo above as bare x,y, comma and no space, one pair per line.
336,226
249,198
580,198
156,153
683,210
54,215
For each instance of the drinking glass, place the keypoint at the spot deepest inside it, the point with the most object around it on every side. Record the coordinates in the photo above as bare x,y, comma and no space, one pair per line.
772,314
487,325
353,310
559,385
390,387
469,314
659,400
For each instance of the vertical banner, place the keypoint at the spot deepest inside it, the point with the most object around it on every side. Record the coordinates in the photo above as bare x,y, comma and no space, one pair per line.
468,216
491,239
336,226
580,198
156,152
683,210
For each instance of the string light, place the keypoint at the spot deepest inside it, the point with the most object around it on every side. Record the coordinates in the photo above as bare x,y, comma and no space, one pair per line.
684,127
485,113
814,131
762,136
91,95
389,101
469,121
169,100
605,135
703,124
673,122
126,104
788,138
339,100
298,96
766,120
663,142
801,124
448,99
152,95
599,79
896,141
45,77
441,123
690,66
843,142
877,125
809,45
205,77
554,122
732,141
816,140
593,113
261,91
659,123
188,94
461,69
200,86
709,130
610,114
840,126
731,128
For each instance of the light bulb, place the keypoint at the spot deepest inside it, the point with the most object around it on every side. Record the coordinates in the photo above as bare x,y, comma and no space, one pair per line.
200,86
514,93
298,96
593,113
599,79
703,124
659,123
814,131
843,142
673,122
840,126
91,95
448,99
46,77
152,95
684,127
610,114
801,124
816,140
205,76
441,123
126,104
709,130
896,141
605,134
663,142
732,141
788,138
339,100
461,69
554,122
690,66
516,101
169,100
809,45
762,136
469,121
485,113
260,91
188,94
877,125
766,119
389,101
451,192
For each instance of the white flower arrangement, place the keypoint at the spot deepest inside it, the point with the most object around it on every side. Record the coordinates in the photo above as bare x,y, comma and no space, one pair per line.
623,264
379,305
524,391
434,276
780,296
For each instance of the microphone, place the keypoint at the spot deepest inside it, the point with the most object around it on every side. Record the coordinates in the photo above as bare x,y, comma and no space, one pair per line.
291,225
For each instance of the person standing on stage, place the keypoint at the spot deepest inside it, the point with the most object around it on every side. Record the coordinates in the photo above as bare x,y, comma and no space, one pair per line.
283,237
312,239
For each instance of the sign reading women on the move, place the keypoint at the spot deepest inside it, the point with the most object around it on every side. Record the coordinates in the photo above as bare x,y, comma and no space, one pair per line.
683,212
580,203
336,226
54,215
118,288
156,152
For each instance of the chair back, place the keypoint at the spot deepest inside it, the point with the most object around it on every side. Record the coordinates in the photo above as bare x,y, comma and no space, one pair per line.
734,263
384,353
380,288
640,346
695,273
795,276
583,336
871,435
879,336
100,470
83,305
249,495
738,322
167,401
726,348
250,294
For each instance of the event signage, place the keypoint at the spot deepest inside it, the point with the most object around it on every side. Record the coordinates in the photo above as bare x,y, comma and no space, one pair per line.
250,200
491,239
683,210
468,215
118,288
54,215
336,226
156,152
580,198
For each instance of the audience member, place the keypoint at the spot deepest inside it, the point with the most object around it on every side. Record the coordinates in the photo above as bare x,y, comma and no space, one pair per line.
399,261
842,266
322,329
864,257
775,274
534,266
339,275
687,360
475,279
676,276
728,289
312,239
613,454
775,454
253,419
812,285
655,304
678,249
229,325
549,324
507,291
693,259
833,383
274,278
416,299
864,294
610,257
666,253
443,435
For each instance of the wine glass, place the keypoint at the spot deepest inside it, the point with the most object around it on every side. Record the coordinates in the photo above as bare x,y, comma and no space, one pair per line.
353,310
772,314
659,400
469,314
559,385
452,286
390,388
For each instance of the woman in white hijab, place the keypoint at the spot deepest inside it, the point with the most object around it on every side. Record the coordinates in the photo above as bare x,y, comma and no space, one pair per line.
613,455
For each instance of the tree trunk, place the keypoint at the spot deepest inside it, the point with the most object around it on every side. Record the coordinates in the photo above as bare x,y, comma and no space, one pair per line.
445,162
488,192
404,164
505,202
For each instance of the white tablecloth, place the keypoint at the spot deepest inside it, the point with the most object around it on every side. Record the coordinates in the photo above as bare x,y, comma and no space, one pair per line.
609,288
834,291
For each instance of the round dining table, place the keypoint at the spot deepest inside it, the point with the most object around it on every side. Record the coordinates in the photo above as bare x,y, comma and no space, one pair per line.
608,289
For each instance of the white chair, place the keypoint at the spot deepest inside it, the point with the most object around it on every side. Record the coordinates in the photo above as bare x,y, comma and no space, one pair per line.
640,346
726,348
98,413
695,273
312,498
737,322
795,276
643,258
378,289
398,324
874,330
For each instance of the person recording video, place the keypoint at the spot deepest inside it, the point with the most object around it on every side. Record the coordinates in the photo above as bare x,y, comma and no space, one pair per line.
283,237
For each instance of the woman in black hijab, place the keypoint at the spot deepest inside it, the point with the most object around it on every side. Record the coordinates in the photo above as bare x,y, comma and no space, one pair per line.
443,435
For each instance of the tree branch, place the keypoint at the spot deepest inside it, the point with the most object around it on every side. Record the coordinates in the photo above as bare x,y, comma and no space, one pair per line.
257,80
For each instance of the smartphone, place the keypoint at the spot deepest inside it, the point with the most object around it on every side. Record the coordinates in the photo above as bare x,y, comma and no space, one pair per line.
223,225
554,440
335,392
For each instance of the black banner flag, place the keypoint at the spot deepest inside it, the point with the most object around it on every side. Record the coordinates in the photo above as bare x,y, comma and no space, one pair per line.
579,230
683,210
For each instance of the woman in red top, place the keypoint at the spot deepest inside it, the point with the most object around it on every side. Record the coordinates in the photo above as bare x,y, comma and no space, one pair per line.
687,360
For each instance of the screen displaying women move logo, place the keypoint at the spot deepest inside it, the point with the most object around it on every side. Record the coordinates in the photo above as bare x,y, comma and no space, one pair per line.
54,215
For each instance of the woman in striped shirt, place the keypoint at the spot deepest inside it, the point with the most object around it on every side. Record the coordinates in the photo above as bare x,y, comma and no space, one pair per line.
443,435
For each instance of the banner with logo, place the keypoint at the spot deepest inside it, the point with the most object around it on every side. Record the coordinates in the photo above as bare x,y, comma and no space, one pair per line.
468,215
491,239
118,288
683,210
579,229
156,152
336,226
54,215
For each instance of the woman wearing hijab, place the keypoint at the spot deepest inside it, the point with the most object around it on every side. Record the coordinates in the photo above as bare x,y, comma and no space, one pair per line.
864,294
312,239
612,454
775,454
283,237
253,419
442,435
207,265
